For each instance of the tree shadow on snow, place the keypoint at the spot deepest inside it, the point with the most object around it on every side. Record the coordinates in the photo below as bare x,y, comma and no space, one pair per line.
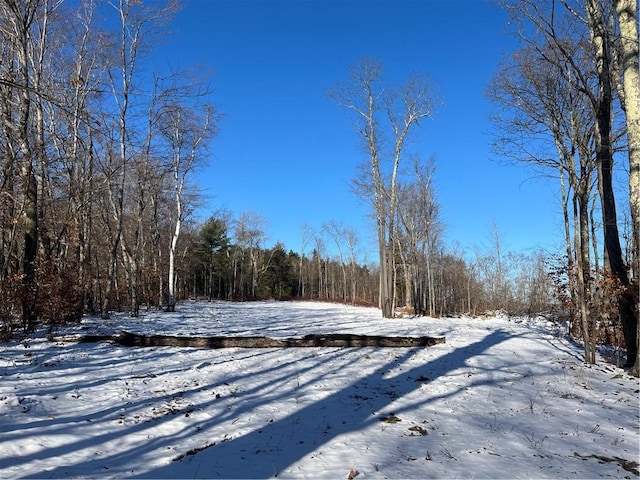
267,452
126,418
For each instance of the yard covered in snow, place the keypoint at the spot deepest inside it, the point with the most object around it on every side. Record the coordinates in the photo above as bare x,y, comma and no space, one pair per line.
502,398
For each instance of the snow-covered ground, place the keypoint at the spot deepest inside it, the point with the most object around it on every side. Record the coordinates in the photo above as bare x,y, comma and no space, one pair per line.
502,398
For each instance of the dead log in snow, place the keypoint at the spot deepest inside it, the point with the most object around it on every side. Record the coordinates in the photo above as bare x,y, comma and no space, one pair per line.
329,340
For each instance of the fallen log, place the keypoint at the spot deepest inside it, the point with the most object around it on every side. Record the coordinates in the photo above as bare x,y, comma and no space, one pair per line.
315,340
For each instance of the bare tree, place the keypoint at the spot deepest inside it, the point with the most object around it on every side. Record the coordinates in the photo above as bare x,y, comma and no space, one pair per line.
351,239
371,102
187,132
121,80
319,257
250,234
420,227
20,35
598,20
306,236
627,16
336,232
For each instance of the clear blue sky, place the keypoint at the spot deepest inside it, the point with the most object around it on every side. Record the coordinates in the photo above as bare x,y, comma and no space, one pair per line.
288,153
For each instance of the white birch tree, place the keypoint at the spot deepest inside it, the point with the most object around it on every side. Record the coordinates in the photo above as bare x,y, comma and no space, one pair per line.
627,16
187,132
18,30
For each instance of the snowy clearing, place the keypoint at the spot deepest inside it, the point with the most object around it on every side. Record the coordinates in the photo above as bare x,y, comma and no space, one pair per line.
502,398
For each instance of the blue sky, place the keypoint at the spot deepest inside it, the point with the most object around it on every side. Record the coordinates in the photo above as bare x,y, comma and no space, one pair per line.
288,152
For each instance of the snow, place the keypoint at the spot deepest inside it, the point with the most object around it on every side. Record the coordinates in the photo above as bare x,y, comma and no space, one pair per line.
502,398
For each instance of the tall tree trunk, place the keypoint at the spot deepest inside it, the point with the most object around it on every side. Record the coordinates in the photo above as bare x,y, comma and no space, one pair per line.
22,19
171,303
385,295
583,275
111,276
30,186
627,14
604,157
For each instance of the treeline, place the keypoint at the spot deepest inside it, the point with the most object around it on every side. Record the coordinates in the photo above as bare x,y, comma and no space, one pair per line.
226,259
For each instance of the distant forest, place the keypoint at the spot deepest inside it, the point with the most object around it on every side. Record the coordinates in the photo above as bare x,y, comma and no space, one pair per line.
239,268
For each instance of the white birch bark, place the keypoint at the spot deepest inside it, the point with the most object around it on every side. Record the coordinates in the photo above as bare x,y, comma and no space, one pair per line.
627,14
187,134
